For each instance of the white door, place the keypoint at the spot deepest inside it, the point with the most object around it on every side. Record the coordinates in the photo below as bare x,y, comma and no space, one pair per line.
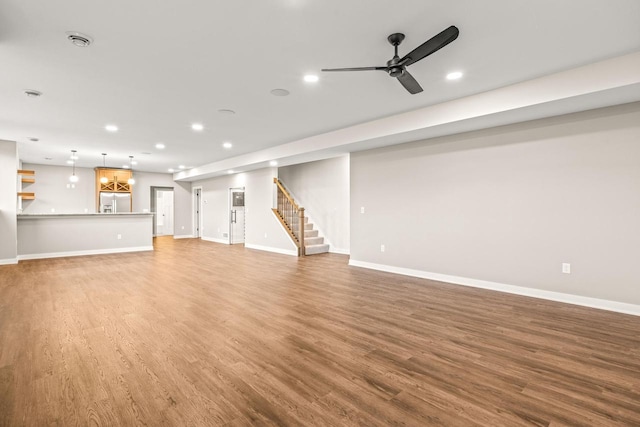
236,216
164,213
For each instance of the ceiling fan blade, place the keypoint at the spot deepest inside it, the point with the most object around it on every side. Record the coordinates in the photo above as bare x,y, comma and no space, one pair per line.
355,69
432,45
409,83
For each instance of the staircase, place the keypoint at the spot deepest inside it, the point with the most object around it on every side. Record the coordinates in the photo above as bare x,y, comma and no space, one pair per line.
297,225
313,244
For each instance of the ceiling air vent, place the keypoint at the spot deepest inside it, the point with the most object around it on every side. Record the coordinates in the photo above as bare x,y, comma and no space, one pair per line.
79,39
32,93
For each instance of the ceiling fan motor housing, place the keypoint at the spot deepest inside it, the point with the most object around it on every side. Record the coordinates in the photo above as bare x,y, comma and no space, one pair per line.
394,68
396,71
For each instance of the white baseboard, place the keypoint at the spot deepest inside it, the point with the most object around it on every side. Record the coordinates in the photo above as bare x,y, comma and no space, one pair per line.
183,236
214,240
8,261
270,249
84,253
619,307
339,251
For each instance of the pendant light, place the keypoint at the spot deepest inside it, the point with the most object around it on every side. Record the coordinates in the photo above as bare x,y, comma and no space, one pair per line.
74,177
131,181
103,178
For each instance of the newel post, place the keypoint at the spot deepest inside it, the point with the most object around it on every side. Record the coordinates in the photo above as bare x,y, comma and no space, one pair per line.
301,222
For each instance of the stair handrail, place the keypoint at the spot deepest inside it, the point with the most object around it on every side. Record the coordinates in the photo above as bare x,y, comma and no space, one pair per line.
285,192
291,215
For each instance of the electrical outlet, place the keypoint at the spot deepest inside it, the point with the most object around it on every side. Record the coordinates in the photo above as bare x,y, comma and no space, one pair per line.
362,209
381,248
119,236
566,268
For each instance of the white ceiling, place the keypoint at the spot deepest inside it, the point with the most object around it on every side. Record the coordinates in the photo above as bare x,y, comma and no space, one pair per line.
155,67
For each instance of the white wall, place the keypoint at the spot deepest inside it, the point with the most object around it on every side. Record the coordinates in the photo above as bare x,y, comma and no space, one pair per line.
53,191
8,202
509,205
46,236
181,198
322,188
262,229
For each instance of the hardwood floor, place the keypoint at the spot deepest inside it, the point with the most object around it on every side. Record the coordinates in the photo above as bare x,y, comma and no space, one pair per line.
203,334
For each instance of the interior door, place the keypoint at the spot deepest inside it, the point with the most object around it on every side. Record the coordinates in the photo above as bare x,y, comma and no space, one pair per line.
236,216
164,213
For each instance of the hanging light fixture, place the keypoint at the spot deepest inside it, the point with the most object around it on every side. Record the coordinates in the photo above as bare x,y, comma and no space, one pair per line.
103,178
131,181
74,157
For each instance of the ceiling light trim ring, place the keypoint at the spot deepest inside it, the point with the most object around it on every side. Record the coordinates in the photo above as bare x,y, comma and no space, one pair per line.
79,39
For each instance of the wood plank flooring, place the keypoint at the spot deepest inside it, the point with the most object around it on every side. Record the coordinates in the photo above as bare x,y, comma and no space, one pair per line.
203,334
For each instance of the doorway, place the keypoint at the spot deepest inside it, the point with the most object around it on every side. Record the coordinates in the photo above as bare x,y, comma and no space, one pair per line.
197,212
162,207
236,216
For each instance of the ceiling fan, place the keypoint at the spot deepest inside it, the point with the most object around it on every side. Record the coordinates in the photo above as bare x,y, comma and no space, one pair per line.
397,67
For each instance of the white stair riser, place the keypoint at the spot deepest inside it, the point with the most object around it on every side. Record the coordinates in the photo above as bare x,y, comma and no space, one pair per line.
316,249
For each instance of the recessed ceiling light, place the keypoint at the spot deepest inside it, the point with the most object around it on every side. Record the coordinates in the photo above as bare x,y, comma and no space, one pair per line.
133,162
454,75
230,171
79,39
111,128
70,162
197,127
32,93
125,166
273,163
279,92
227,145
74,157
160,146
171,170
181,167
311,78
226,112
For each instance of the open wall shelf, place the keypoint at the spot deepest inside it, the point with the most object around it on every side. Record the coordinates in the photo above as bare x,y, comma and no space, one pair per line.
26,177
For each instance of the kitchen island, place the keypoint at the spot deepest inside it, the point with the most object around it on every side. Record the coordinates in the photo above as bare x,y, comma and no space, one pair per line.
52,235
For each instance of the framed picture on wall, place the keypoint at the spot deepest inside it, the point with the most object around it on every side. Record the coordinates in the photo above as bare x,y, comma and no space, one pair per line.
238,198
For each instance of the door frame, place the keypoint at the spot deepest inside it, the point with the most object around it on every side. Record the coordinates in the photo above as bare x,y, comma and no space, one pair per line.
152,206
230,207
196,212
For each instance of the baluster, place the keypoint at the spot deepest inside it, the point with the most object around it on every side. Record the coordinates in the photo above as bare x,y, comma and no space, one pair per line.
301,228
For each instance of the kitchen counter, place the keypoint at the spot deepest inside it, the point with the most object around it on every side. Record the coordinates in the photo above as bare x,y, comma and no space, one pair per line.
51,235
